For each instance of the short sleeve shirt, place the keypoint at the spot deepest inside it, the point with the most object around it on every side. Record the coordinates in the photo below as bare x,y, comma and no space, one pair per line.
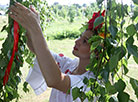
66,65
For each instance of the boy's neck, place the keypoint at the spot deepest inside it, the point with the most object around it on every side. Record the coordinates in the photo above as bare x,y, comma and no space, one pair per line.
81,67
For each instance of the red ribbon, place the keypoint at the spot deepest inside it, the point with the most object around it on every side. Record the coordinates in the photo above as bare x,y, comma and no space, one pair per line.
15,48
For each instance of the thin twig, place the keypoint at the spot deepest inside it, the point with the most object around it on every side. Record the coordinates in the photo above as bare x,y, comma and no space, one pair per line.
117,74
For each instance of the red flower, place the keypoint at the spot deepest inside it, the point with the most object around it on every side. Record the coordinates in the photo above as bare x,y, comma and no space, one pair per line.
91,21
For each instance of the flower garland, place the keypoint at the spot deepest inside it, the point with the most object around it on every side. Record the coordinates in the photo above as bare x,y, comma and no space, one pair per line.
90,25
91,21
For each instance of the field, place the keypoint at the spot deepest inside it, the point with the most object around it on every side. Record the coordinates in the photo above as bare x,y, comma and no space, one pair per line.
59,46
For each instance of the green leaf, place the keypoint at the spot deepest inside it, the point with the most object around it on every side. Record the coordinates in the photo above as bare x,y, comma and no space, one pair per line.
4,27
105,75
98,21
19,1
137,36
122,10
135,15
113,62
123,97
25,89
130,40
99,1
112,99
114,23
75,93
13,65
2,73
8,44
95,45
85,80
3,62
94,38
113,30
137,26
120,85
8,89
121,52
134,84
110,89
15,94
122,23
1,39
125,69
126,9
135,59
135,1
82,95
28,59
131,30
114,4
132,49
89,94
128,56
119,10
83,28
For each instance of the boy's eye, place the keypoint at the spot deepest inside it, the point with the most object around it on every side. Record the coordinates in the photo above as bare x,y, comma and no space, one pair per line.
84,41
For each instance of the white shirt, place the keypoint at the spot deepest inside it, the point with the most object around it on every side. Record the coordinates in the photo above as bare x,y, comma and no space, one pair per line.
66,65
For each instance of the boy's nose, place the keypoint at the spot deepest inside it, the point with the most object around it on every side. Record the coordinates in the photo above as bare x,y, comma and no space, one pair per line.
77,41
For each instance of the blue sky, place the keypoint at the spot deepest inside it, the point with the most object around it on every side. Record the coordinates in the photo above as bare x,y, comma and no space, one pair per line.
67,2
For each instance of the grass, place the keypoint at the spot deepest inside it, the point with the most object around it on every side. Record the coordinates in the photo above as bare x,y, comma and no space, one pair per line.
61,46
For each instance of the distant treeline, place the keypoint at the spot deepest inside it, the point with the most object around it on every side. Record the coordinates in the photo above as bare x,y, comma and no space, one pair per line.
69,12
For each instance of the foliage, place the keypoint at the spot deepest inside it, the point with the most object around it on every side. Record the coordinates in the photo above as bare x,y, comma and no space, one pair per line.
69,12
113,54
10,90
67,34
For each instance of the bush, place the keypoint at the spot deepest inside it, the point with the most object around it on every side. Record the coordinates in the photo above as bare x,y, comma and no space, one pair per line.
67,34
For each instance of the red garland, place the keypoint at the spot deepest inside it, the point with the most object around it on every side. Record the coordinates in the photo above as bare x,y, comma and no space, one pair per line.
15,48
91,21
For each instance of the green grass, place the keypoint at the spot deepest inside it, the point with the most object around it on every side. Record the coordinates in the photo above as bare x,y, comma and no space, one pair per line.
30,96
62,46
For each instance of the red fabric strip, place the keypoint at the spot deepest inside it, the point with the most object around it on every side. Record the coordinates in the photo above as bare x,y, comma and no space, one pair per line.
15,48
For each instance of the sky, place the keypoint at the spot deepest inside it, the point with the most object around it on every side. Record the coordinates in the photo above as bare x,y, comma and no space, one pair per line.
68,2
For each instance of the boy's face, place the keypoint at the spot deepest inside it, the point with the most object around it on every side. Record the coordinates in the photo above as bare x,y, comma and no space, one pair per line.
82,47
